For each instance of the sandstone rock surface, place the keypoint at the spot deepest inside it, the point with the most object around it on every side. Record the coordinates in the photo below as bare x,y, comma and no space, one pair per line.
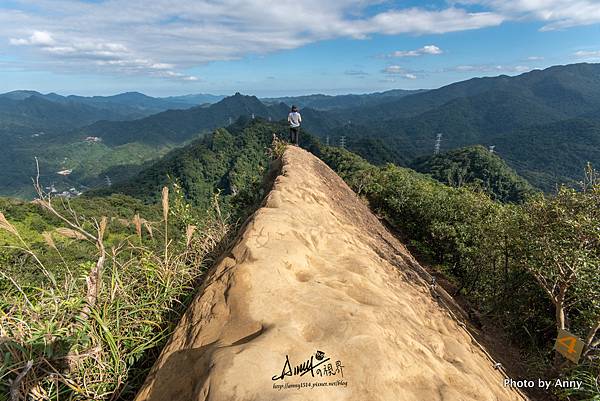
314,270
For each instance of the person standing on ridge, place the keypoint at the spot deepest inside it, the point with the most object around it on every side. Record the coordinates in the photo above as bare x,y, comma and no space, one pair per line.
294,118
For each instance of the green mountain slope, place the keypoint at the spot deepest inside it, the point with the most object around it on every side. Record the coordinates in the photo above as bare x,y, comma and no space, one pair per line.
37,113
550,154
477,167
116,149
230,161
570,90
176,126
526,117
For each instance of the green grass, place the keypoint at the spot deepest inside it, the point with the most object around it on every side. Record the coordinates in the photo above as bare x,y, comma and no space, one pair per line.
54,343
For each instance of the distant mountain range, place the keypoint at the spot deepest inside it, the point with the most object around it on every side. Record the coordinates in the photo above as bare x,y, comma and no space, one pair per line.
123,106
177,126
331,102
544,124
92,154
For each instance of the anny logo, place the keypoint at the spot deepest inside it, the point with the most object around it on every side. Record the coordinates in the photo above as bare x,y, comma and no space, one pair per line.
321,367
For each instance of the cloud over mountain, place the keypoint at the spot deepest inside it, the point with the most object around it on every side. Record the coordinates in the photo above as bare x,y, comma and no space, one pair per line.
166,39
169,39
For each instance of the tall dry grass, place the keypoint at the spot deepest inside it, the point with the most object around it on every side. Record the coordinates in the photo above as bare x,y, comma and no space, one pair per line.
94,335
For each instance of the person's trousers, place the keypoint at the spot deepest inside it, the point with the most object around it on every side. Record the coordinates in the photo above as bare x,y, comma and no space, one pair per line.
295,135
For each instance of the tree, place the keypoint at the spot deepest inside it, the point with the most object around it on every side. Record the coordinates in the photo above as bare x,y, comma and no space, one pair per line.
561,244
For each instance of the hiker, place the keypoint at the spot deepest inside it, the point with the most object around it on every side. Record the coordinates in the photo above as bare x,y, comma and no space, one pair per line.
294,118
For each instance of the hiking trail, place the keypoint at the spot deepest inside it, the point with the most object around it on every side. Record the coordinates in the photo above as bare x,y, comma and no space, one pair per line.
314,276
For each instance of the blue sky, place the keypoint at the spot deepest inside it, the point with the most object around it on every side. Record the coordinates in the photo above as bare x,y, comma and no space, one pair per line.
284,47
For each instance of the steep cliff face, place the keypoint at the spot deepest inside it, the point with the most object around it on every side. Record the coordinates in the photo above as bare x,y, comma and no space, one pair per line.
317,301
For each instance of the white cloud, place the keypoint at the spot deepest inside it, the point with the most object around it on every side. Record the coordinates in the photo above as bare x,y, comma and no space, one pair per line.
399,71
535,58
420,21
431,49
428,49
485,68
557,14
37,38
188,34
592,54
114,56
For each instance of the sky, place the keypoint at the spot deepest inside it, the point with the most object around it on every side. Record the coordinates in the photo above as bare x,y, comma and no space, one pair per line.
283,47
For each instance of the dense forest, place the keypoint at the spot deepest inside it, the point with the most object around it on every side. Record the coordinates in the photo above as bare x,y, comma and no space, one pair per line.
479,168
228,160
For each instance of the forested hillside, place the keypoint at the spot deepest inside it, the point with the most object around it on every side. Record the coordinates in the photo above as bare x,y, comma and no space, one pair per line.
571,90
478,168
229,160
105,150
37,113
163,239
530,269
101,280
543,123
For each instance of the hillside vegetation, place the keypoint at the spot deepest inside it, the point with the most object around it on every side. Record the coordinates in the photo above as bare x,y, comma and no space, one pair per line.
92,287
477,167
543,123
231,161
516,263
530,268
113,149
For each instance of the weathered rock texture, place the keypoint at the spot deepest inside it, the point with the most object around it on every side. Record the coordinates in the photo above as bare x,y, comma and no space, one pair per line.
314,270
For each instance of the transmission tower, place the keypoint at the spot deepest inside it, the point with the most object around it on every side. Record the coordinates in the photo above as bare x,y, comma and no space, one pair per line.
230,120
438,141
343,142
